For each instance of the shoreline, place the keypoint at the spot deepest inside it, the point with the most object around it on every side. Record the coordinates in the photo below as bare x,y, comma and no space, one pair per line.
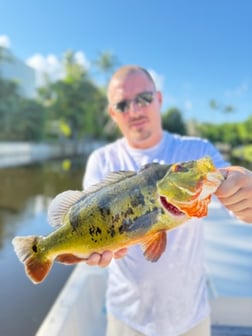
13,154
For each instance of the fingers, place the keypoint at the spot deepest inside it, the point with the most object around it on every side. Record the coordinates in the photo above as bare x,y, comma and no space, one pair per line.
233,180
104,259
235,192
120,253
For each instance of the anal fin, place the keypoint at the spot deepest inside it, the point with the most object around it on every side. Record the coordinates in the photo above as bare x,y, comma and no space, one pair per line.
154,246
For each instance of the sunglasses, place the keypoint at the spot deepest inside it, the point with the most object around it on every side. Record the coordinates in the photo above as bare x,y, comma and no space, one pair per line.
141,99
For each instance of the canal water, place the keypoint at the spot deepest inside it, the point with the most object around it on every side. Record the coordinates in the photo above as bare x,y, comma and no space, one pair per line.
25,193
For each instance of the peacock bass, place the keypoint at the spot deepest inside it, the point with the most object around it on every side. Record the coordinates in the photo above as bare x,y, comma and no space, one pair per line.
126,208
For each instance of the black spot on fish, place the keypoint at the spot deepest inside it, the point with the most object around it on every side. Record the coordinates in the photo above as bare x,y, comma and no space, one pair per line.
115,218
128,212
94,230
103,205
74,217
136,197
98,231
34,248
105,211
111,231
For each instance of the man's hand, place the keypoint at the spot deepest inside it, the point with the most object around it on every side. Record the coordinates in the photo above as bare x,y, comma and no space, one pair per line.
103,260
235,192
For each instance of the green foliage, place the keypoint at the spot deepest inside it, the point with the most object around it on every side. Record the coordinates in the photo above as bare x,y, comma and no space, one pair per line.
173,122
75,102
79,103
30,121
20,118
106,63
242,155
234,134
75,107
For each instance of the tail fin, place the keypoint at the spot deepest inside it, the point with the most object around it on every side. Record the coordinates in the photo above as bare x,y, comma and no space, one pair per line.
37,267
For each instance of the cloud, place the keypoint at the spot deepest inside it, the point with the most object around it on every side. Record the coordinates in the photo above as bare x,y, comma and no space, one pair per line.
4,41
239,91
81,59
52,66
158,79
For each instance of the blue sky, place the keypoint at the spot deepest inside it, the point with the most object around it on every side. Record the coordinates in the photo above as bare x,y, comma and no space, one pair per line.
198,50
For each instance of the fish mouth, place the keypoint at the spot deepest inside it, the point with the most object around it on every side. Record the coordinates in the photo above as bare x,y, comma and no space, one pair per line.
170,207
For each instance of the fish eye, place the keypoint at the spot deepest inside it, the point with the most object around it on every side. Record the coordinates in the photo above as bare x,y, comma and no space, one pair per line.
180,168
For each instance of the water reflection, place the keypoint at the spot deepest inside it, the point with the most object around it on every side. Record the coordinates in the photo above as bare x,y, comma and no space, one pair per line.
32,187
25,193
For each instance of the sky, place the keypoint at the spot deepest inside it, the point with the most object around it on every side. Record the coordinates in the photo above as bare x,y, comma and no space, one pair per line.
197,50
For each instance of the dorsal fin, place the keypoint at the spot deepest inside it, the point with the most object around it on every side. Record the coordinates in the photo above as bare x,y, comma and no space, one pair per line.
111,178
148,165
61,204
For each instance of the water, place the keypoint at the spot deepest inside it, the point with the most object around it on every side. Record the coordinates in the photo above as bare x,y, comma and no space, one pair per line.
25,193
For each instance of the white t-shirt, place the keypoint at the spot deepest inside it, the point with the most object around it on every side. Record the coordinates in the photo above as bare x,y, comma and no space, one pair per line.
168,297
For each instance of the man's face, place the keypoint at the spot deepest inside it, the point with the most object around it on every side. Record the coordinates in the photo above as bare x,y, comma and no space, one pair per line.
134,105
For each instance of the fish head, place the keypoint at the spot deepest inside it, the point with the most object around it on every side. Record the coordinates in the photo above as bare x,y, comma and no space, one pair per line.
187,187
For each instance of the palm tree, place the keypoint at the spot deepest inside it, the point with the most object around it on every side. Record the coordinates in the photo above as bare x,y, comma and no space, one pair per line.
106,64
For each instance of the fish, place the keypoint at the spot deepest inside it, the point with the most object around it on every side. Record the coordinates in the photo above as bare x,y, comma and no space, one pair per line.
124,209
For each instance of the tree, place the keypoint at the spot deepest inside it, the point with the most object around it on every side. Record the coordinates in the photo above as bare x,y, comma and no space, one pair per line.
226,109
106,64
76,101
173,122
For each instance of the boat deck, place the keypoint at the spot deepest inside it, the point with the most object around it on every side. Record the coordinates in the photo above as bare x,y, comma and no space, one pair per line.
79,309
231,331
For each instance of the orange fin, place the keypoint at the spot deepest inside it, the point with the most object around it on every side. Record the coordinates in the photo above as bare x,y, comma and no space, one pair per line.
154,246
69,259
36,267
37,270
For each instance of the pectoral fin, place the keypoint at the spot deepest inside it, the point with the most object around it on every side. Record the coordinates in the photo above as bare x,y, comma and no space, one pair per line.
154,246
69,259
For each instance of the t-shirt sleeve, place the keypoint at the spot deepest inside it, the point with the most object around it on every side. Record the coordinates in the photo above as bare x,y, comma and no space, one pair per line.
216,156
93,171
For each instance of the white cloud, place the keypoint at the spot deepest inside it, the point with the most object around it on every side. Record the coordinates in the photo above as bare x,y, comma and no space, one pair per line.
81,59
45,66
52,66
4,41
158,79
239,91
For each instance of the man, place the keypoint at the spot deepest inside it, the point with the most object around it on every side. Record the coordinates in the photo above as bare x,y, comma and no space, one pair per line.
168,297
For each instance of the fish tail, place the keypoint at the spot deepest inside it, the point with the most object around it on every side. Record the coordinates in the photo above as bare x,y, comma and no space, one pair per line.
37,266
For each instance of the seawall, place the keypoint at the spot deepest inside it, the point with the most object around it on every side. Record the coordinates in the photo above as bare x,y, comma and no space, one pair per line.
24,153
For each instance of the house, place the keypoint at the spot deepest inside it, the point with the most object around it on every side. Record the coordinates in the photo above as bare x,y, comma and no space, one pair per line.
13,68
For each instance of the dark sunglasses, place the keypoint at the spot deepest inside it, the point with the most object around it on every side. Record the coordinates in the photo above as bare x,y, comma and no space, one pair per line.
141,99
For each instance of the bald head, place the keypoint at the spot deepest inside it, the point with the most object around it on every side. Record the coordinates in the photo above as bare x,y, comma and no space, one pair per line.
125,72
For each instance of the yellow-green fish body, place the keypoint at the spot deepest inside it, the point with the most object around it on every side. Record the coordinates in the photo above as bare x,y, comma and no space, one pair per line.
125,209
